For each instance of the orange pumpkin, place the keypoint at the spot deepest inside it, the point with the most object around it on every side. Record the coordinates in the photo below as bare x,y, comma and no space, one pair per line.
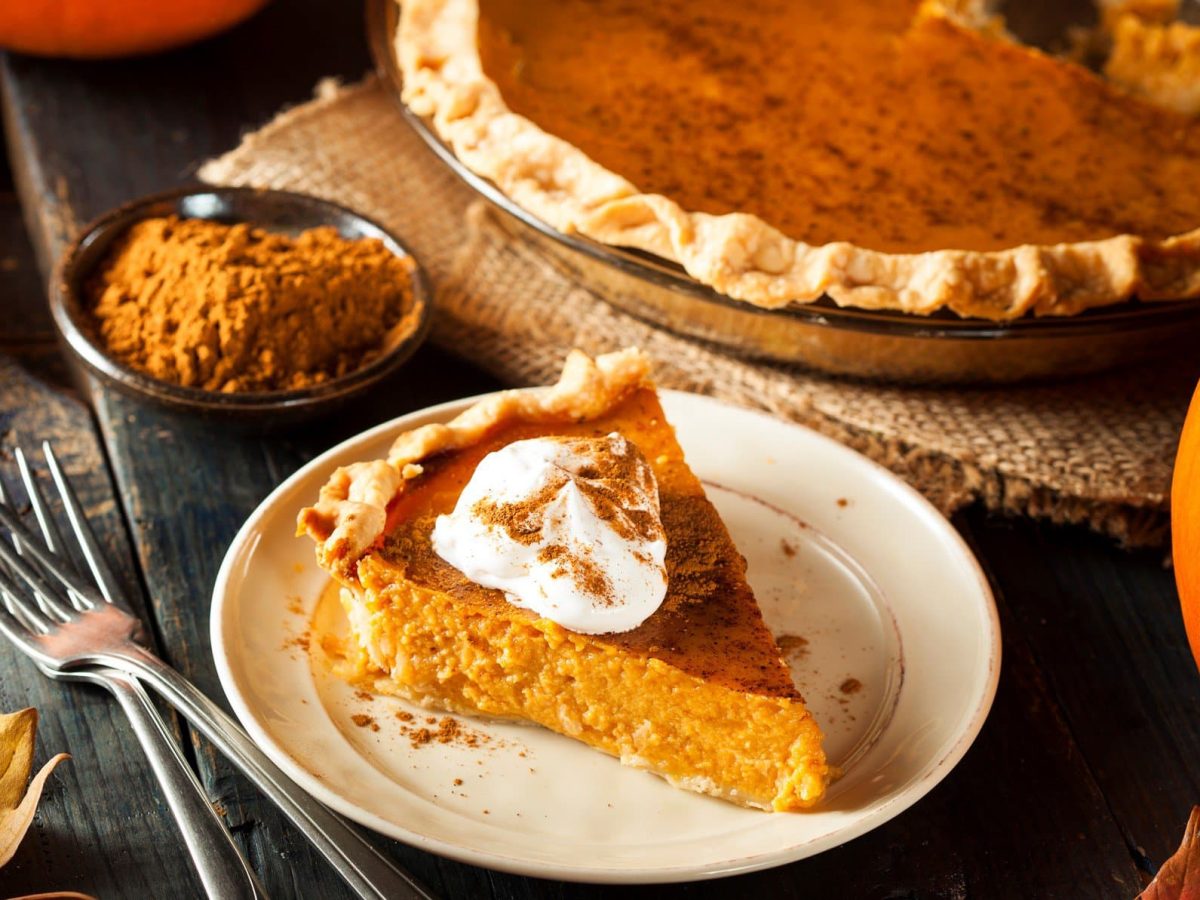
1185,523
103,28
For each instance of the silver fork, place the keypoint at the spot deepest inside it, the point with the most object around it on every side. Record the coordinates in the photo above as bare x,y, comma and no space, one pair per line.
74,633
222,869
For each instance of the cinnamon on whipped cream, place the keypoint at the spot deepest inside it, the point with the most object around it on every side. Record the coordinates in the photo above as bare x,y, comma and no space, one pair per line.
567,527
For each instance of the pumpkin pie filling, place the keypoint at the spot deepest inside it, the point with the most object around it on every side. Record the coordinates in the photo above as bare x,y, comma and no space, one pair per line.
698,693
835,121
724,642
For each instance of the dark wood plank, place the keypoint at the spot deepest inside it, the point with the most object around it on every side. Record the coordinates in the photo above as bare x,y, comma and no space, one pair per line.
24,317
1107,633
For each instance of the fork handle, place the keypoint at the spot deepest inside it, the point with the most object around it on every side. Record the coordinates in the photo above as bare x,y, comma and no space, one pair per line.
361,866
222,869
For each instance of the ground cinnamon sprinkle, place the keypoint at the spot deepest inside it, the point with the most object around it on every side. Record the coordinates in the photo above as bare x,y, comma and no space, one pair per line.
421,737
611,484
300,641
234,308
446,730
582,568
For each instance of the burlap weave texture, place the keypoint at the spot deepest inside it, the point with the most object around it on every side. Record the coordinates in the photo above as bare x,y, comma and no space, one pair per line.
1096,451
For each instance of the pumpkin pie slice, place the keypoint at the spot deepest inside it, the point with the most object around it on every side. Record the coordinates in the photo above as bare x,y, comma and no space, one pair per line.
697,693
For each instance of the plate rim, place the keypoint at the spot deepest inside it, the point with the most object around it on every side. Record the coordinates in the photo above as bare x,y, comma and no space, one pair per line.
933,773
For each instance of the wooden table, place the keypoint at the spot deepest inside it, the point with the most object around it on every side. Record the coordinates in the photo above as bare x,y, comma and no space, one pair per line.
1079,785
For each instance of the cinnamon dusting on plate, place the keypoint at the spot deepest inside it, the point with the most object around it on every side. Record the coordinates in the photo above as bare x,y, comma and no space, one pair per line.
792,646
300,641
448,730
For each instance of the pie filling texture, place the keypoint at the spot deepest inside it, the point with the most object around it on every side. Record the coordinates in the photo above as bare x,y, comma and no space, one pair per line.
861,137
698,693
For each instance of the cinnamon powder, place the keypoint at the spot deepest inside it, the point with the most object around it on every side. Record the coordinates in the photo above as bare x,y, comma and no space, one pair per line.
234,308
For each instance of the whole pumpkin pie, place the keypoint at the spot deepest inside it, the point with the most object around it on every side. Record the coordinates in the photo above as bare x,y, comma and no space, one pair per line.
697,692
895,155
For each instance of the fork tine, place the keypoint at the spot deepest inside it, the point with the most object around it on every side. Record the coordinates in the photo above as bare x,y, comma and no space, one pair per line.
31,619
46,608
21,636
49,528
50,532
19,608
8,553
81,529
36,625
41,511
4,499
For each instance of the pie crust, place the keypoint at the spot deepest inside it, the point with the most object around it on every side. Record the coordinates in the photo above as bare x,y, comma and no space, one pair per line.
1159,61
351,513
739,254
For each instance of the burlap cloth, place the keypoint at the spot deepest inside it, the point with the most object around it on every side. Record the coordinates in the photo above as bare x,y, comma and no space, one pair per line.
1095,451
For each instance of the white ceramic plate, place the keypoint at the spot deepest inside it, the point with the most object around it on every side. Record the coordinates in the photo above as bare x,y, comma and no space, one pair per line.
892,634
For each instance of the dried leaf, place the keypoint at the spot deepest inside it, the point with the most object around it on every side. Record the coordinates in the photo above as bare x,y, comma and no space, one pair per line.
17,805
17,731
1179,877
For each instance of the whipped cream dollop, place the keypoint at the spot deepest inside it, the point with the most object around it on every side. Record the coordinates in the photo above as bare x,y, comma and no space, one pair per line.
567,527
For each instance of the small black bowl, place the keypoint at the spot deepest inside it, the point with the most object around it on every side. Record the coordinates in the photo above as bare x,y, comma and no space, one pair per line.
281,212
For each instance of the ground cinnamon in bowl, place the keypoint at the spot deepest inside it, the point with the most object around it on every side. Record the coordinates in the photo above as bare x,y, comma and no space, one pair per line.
237,309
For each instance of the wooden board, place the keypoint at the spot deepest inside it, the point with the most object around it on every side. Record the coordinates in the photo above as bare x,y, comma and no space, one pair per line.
1078,786
102,823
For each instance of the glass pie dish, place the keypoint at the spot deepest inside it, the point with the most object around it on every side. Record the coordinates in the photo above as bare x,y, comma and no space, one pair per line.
941,348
